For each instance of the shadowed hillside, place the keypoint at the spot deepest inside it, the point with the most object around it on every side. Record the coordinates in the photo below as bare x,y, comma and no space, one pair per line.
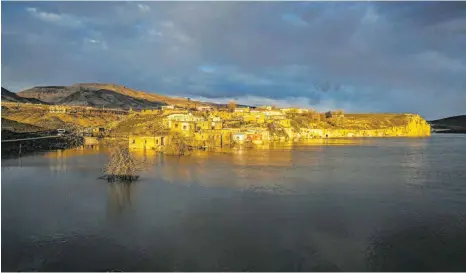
102,94
456,124
107,98
12,97
19,127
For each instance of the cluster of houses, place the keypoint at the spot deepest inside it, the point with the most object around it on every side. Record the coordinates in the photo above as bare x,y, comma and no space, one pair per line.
68,109
209,127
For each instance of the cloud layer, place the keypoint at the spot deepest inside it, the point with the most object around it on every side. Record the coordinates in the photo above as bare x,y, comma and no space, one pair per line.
379,56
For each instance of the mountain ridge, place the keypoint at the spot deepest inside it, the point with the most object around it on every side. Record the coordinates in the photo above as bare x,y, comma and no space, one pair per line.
107,98
59,94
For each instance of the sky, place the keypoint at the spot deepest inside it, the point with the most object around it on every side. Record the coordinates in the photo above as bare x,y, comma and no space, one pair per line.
355,56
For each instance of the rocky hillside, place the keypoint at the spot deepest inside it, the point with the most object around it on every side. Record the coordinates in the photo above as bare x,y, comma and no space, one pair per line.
96,93
12,97
106,98
377,125
39,115
456,124
20,127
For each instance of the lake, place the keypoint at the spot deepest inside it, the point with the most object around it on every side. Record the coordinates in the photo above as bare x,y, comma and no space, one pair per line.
330,205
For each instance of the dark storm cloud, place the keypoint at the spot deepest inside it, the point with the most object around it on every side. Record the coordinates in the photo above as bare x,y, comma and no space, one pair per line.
375,56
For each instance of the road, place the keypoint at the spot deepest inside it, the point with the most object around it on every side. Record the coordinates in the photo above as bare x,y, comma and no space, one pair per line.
32,138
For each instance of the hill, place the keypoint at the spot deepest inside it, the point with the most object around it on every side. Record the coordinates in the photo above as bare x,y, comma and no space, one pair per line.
13,129
12,97
455,124
39,115
95,93
19,127
107,98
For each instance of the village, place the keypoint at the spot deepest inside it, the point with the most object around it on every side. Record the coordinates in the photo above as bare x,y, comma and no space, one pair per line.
210,126
206,126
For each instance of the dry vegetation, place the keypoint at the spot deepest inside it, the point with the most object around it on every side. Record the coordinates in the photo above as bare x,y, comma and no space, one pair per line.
375,121
138,124
347,121
39,115
19,127
122,165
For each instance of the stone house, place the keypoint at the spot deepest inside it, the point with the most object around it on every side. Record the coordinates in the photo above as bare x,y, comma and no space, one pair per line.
170,120
148,142
273,114
254,116
168,107
204,108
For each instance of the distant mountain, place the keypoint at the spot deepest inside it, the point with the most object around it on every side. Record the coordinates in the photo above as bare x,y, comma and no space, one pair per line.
96,93
13,97
107,98
455,124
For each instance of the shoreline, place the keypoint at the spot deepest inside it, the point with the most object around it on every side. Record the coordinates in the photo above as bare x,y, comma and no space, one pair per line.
24,148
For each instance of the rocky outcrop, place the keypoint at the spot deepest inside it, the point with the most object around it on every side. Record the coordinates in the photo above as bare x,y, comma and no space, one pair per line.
414,126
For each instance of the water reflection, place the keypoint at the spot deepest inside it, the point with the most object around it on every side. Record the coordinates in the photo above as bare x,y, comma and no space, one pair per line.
349,209
413,162
334,142
59,160
119,197
78,151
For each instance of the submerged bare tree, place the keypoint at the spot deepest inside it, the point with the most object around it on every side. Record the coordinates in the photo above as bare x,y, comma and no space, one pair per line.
122,165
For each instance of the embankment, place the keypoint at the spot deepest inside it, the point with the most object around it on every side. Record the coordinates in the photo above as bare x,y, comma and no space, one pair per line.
24,147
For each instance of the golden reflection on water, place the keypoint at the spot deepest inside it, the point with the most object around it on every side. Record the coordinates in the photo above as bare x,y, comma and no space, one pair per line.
413,161
78,151
119,196
240,167
58,159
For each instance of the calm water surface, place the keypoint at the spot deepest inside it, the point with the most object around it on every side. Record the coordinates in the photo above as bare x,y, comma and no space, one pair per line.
375,204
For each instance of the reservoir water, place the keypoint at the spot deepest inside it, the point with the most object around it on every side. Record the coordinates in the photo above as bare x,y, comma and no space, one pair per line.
331,205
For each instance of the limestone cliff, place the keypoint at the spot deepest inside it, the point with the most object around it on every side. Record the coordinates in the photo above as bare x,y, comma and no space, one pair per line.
406,125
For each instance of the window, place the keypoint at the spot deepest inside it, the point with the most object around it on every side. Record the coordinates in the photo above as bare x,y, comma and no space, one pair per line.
176,125
156,141
134,141
184,127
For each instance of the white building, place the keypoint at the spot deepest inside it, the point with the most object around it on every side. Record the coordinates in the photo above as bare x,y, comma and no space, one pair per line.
273,114
167,107
204,108
294,110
